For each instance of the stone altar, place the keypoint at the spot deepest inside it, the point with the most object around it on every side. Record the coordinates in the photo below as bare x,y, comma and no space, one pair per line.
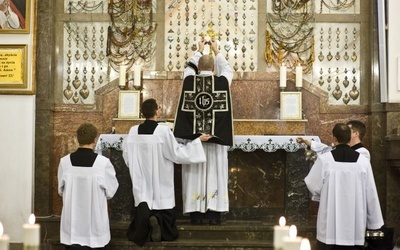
266,172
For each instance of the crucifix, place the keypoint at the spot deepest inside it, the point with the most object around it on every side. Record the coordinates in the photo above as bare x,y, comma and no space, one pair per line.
210,34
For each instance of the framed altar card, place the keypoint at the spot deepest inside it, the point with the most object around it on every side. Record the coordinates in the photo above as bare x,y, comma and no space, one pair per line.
129,104
16,16
291,108
13,70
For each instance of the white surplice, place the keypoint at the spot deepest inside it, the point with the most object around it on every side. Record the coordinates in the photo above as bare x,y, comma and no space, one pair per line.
348,199
151,158
85,190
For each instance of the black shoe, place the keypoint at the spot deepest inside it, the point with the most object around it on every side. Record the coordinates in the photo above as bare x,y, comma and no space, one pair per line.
155,229
215,222
196,222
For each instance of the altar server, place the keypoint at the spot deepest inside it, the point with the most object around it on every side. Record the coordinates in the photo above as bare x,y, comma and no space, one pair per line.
150,151
85,181
343,183
358,131
205,105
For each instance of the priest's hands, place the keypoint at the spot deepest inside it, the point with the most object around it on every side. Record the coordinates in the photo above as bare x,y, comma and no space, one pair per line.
214,46
202,43
205,137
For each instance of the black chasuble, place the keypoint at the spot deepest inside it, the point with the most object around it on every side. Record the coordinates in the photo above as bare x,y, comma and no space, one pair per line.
205,107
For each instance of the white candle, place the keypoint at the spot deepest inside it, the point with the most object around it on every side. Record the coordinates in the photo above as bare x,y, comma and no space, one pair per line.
137,74
31,232
292,242
122,75
4,239
299,76
279,232
282,80
305,244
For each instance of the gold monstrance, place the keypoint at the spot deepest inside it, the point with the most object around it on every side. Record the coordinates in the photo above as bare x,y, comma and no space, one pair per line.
210,34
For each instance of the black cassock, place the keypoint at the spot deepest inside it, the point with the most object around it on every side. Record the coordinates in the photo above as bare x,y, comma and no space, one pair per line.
205,107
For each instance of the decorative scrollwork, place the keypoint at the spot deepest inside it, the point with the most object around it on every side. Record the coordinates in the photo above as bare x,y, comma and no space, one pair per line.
85,7
130,34
107,145
289,35
339,5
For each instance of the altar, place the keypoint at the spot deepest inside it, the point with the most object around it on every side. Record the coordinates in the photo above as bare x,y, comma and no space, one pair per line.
266,174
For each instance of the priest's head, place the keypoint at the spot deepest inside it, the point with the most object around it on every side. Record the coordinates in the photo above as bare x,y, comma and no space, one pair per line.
341,133
206,63
86,134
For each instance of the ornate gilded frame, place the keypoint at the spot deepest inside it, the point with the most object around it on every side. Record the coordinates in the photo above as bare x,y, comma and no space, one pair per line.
13,70
24,15
129,104
291,106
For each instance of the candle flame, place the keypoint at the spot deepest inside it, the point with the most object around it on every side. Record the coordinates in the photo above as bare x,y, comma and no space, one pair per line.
31,219
305,244
282,221
292,231
1,229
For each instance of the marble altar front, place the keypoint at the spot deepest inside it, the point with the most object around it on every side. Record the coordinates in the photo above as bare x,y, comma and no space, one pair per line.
265,178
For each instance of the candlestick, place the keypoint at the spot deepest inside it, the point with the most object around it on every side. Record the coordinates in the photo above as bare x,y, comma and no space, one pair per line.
4,239
282,79
137,75
292,242
122,76
280,231
31,233
299,76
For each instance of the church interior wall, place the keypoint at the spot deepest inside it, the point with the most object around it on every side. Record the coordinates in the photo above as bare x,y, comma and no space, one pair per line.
16,164
255,96
17,126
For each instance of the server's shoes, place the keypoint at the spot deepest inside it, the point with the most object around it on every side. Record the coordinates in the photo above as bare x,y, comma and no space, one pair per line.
155,229
215,222
196,222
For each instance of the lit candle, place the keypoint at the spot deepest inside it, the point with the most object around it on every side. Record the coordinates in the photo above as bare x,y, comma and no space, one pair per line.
279,232
4,239
122,75
137,74
31,232
305,244
299,76
292,242
282,82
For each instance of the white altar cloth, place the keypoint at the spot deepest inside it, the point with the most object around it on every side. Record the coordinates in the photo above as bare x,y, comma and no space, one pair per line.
247,143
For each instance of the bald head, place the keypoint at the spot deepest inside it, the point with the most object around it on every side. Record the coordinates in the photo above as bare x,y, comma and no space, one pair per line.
206,62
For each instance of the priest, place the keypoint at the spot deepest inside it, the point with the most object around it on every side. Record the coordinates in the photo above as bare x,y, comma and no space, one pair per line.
343,183
205,107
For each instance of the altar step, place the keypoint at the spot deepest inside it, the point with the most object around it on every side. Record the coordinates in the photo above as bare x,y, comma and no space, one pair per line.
246,235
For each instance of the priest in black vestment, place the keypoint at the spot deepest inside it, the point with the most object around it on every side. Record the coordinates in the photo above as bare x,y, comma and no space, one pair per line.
205,107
